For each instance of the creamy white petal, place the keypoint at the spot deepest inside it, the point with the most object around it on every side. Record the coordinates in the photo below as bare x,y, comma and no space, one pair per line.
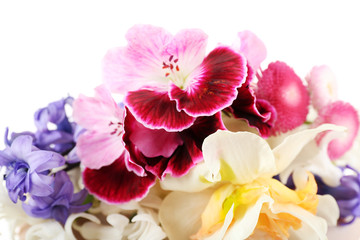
93,231
314,158
69,223
145,227
352,156
180,213
238,157
328,209
244,226
117,220
193,181
286,152
304,232
46,230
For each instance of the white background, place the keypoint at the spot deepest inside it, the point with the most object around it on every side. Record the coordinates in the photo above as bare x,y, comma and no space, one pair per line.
49,49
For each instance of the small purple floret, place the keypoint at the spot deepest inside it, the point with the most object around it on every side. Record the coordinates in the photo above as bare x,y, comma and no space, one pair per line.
54,130
60,203
59,139
27,168
347,195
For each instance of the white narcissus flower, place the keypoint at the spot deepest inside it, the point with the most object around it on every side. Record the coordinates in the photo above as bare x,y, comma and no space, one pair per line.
315,158
239,197
94,229
46,230
133,220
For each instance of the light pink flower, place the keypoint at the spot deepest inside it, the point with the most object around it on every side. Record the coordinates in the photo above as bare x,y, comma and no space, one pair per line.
341,114
322,86
102,143
252,47
167,79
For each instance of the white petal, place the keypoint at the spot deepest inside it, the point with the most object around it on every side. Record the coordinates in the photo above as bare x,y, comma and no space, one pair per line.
245,226
180,213
71,219
92,231
315,159
144,227
193,181
315,227
46,230
117,220
287,151
328,209
237,157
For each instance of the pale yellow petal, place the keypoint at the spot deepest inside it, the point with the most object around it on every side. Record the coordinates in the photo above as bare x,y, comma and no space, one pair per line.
180,213
244,226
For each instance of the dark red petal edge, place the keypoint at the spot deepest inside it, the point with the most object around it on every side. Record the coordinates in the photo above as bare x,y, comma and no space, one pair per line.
257,113
189,154
214,86
155,110
115,184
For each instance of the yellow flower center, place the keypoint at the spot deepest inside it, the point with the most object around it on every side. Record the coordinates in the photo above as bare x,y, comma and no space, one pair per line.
244,197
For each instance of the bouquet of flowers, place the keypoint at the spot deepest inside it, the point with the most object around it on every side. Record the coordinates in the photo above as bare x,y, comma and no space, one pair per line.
199,146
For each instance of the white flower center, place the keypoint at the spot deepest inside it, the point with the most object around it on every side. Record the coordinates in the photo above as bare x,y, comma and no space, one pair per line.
116,128
172,71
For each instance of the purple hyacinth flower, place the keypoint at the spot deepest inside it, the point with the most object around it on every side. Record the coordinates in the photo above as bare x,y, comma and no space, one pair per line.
347,194
61,138
27,168
60,204
55,132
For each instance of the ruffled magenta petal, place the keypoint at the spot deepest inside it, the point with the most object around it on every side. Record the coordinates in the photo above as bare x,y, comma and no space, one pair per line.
203,127
183,158
285,91
212,86
189,154
138,162
342,114
269,118
115,184
257,113
155,110
151,142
